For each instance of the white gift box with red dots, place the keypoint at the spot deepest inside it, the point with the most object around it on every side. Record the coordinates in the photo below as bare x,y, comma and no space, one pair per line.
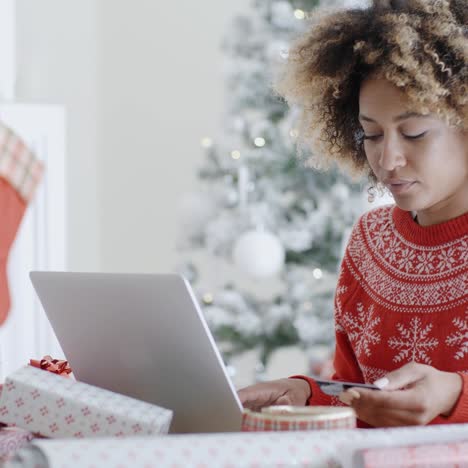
59,407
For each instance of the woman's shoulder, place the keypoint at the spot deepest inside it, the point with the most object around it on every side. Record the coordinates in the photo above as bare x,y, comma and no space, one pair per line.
378,219
383,213
373,233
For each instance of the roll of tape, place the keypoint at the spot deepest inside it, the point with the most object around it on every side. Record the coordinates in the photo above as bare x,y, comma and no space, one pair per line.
299,418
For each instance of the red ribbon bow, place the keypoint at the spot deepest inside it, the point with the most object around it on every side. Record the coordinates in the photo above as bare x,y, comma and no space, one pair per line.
55,366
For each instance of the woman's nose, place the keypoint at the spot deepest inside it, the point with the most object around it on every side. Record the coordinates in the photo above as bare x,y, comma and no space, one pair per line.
392,155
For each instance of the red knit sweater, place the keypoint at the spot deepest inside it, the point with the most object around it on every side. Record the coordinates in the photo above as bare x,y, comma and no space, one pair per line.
402,296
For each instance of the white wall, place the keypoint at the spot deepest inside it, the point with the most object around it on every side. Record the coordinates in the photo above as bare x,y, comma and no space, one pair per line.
141,82
57,63
161,90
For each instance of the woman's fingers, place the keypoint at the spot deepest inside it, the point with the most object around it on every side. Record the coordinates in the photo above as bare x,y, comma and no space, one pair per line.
413,399
403,377
381,408
277,392
391,417
256,396
414,394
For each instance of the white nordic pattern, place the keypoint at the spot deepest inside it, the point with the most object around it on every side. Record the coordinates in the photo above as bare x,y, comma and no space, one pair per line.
413,343
360,329
389,261
459,338
340,290
464,251
381,233
371,374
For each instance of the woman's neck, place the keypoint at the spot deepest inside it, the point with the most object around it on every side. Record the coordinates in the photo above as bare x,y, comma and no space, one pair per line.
440,213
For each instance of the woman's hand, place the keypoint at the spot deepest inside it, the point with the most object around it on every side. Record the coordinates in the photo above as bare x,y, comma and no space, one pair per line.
413,395
277,392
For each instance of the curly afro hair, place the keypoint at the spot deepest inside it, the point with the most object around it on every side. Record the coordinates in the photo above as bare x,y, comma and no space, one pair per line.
421,46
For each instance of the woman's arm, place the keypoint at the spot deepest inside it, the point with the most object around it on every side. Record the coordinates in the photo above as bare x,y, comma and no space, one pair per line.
345,364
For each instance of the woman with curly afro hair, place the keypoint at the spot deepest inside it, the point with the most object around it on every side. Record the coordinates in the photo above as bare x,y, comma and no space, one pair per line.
383,92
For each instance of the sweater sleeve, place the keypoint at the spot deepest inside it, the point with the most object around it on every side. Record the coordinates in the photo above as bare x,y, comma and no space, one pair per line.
345,364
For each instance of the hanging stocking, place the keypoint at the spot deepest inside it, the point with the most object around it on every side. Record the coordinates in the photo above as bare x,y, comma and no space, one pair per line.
20,172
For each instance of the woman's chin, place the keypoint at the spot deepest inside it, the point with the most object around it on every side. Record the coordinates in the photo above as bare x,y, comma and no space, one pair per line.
407,205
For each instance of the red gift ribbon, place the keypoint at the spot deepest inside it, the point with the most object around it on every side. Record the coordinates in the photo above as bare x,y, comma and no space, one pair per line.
56,366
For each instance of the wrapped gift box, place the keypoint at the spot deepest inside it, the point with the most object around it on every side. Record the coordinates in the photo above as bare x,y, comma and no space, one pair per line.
11,440
59,407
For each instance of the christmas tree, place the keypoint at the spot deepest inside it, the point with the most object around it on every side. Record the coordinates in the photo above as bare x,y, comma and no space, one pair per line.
262,207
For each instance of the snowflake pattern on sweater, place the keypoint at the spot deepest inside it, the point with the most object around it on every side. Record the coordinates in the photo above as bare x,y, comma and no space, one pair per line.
459,338
360,328
413,342
402,296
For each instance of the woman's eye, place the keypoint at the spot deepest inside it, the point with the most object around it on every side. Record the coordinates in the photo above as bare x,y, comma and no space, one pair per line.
415,137
371,137
409,137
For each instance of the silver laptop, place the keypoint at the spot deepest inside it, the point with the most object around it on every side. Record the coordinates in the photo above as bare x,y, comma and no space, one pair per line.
142,335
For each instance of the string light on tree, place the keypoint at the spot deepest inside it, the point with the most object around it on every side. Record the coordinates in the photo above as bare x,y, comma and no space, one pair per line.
235,154
299,14
259,142
206,142
317,273
208,298
293,133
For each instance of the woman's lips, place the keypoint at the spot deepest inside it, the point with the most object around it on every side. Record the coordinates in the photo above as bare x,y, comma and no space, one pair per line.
400,187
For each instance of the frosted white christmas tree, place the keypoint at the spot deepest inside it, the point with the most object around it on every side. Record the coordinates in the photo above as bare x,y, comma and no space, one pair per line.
261,206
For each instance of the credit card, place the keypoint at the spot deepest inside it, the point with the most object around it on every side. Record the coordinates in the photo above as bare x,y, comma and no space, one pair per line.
335,387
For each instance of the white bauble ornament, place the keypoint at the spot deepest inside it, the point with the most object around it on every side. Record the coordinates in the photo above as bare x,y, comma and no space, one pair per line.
259,254
195,210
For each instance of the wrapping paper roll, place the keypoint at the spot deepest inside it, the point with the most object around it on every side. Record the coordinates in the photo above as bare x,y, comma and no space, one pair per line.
238,450
299,418
11,440
313,449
